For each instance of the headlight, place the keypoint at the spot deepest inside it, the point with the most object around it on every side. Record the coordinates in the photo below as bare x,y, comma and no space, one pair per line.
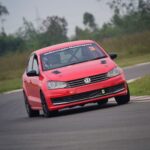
56,85
113,72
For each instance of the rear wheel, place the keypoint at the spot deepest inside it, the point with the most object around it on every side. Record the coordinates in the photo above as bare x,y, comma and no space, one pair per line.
30,111
124,98
102,102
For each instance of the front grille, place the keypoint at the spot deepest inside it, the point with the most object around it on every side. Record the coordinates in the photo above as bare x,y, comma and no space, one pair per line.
88,95
94,79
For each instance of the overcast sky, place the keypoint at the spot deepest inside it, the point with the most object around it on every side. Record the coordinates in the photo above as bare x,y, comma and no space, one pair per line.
72,10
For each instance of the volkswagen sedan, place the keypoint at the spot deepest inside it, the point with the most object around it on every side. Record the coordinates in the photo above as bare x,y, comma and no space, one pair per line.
71,74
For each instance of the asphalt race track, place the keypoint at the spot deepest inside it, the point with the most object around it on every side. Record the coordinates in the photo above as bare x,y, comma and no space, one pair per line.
109,127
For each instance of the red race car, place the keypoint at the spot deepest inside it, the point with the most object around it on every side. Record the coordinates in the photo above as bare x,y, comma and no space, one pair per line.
71,74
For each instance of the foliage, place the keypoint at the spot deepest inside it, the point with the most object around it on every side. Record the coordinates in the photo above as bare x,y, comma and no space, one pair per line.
90,30
27,31
89,21
29,34
10,43
81,34
54,30
3,10
129,17
141,86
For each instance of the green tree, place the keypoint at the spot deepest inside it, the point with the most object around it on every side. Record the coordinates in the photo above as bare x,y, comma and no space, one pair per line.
3,11
27,31
29,34
129,17
89,32
82,33
89,21
10,43
54,30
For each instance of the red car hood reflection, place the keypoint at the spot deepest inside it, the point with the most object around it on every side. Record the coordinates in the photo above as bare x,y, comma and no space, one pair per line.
80,70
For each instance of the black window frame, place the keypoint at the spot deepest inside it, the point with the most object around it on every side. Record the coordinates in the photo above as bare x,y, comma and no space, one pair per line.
32,56
35,59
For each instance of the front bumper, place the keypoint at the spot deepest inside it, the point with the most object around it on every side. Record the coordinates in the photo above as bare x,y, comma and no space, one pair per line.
61,98
88,95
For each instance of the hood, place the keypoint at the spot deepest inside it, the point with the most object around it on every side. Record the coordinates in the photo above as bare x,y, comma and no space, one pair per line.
80,70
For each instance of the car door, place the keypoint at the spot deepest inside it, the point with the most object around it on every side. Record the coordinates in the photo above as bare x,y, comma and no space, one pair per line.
35,84
27,79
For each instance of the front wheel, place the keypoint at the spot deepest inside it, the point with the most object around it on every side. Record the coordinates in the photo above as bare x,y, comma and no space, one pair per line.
31,113
124,98
47,113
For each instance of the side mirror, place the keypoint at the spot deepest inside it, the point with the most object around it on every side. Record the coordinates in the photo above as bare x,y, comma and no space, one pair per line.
32,73
113,55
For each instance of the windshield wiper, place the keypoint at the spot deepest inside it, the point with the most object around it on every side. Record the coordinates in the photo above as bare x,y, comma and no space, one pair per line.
94,59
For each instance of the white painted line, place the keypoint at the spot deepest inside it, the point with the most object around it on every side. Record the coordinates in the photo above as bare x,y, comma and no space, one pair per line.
132,80
142,101
142,64
137,65
141,97
14,91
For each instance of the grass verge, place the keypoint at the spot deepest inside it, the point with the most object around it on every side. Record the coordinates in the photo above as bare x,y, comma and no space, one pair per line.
8,85
140,87
132,60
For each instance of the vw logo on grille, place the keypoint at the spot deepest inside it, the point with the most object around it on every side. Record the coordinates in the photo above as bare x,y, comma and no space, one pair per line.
87,80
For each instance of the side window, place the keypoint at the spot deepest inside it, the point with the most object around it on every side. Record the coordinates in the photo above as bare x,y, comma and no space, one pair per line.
35,65
30,62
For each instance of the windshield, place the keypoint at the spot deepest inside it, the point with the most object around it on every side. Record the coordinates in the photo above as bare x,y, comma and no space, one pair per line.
70,56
